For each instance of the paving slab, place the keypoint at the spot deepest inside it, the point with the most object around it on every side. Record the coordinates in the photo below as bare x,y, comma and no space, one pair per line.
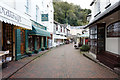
14,66
64,62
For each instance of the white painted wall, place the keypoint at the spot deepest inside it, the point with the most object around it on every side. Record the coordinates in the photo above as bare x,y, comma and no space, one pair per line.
35,3
48,9
112,45
75,31
103,4
10,3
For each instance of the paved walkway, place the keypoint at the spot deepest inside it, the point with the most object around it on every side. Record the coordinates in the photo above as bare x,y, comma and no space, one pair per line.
16,65
64,62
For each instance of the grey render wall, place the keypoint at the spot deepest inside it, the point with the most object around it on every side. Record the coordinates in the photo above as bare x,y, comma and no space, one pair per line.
0,36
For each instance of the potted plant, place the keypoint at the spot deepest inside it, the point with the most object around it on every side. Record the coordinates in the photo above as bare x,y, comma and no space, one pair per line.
43,48
84,48
28,52
36,51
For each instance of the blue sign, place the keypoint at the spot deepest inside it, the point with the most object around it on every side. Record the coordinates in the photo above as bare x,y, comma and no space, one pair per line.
44,17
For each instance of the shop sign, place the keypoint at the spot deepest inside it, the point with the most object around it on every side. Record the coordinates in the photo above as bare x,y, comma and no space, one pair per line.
44,17
10,14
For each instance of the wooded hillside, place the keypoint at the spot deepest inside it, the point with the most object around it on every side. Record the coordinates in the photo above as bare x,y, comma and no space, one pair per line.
70,13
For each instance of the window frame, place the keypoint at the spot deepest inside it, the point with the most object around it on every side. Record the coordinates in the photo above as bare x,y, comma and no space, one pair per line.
37,11
27,6
113,31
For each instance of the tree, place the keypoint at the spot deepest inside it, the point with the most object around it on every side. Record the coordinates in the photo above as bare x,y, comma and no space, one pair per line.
70,13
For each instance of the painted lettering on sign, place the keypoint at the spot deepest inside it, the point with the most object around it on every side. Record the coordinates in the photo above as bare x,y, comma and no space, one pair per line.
10,14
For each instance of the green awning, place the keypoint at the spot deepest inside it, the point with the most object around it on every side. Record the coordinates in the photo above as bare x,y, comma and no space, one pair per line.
38,31
84,35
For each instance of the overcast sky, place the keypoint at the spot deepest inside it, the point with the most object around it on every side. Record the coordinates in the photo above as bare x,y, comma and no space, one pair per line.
83,3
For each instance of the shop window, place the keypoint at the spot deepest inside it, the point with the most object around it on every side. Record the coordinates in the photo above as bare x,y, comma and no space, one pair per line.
8,38
93,39
97,38
22,42
113,30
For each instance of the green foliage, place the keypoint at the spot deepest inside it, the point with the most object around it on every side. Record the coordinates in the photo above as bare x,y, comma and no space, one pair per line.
28,51
85,48
70,13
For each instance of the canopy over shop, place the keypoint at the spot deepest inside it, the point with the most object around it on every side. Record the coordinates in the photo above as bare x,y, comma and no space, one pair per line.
37,37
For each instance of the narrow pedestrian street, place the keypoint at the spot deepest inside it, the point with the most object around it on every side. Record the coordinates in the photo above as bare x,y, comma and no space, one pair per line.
64,62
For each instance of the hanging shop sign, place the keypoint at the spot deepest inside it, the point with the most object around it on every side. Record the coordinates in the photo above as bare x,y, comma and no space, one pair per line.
44,17
12,16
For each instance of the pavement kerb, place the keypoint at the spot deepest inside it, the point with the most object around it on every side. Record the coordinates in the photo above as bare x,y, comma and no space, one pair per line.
39,55
98,62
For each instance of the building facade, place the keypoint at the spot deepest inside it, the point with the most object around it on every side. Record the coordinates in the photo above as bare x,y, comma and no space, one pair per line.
105,32
79,34
12,23
48,11
61,32
22,28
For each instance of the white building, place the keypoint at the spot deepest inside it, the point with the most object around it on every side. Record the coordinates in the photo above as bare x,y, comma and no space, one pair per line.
19,16
60,33
105,31
79,34
13,18
47,9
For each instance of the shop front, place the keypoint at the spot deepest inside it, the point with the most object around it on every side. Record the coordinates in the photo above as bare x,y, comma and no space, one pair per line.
37,37
105,37
84,38
12,31
59,40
